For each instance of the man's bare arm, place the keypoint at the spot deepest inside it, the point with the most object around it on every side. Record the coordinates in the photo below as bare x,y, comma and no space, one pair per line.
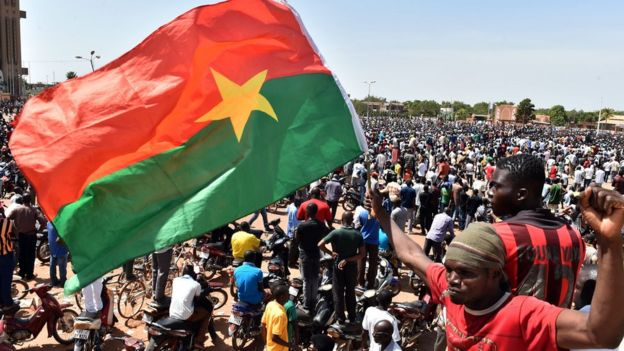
604,326
407,250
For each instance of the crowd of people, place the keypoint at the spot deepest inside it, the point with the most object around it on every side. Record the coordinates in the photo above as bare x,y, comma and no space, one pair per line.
511,213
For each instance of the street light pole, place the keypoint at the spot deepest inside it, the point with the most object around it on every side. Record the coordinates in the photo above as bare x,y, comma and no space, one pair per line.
90,59
369,94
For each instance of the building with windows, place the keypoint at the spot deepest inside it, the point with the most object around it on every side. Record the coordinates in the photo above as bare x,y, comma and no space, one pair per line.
10,48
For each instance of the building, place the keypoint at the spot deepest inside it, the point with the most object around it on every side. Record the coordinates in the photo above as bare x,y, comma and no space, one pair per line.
612,123
10,47
505,113
382,107
541,119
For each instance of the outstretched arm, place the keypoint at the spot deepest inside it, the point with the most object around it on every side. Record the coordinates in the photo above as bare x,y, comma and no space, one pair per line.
407,250
604,326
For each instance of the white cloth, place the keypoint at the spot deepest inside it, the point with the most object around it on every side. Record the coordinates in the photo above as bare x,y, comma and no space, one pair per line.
92,295
183,292
374,315
600,176
586,309
392,346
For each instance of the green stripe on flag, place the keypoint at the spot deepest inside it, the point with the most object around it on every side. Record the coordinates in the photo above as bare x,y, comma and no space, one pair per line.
210,180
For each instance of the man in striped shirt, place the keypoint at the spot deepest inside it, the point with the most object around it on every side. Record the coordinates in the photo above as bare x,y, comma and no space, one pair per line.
6,261
544,253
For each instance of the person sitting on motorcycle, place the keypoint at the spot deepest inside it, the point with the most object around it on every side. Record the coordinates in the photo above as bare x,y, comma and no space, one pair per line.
92,295
373,315
248,280
188,303
243,241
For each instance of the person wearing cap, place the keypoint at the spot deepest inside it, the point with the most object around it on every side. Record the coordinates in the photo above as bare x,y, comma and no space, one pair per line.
333,192
483,314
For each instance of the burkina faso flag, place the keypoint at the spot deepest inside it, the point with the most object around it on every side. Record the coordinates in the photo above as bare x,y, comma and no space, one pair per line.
216,114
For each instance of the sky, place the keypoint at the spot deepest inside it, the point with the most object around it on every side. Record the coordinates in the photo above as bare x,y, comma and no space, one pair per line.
568,52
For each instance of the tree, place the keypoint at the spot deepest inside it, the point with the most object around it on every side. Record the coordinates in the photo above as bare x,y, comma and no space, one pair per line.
481,108
459,105
525,111
558,115
503,103
606,113
71,75
360,107
462,114
427,108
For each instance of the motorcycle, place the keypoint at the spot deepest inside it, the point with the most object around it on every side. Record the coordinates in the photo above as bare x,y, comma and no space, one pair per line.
19,288
212,258
278,245
89,335
347,338
350,198
171,334
5,345
415,317
364,300
43,247
58,318
244,324
317,321
385,278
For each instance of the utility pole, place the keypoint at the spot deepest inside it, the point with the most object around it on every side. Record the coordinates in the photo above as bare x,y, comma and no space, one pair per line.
370,83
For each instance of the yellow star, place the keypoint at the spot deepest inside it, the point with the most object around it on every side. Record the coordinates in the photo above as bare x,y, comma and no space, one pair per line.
239,101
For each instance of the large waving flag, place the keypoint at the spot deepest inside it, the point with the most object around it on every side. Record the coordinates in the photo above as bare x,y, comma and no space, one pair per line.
216,114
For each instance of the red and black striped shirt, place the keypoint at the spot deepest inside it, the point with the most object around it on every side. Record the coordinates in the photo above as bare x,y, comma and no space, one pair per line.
544,256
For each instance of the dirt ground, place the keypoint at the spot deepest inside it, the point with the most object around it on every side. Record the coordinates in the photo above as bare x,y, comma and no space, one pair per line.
136,329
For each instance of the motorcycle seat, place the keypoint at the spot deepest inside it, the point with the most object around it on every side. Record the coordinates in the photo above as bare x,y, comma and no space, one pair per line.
174,327
414,305
246,309
86,324
304,318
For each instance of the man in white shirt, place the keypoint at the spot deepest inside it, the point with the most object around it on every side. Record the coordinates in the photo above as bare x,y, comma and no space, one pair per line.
374,315
187,304
600,176
383,338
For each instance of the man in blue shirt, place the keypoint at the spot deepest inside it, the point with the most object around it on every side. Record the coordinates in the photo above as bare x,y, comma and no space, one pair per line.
370,233
58,257
248,279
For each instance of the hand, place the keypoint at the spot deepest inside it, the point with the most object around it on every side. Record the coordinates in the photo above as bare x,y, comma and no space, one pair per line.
342,264
603,210
373,202
334,255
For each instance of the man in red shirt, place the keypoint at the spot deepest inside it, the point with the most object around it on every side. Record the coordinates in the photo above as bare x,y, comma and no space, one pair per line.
324,212
443,168
544,253
482,314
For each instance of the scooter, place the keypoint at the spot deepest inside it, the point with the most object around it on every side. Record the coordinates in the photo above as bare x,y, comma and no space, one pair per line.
278,245
89,335
347,338
317,321
58,318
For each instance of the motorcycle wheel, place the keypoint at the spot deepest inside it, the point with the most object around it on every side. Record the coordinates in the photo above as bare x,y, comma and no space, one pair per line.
349,204
131,299
43,252
19,289
242,338
63,331
219,298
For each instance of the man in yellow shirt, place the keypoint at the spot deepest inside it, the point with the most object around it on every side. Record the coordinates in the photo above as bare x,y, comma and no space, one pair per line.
275,321
243,241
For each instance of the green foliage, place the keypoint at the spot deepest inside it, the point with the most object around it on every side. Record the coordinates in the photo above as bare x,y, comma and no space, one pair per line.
558,115
462,114
606,113
374,98
71,75
525,111
481,108
458,105
427,108
360,107
504,102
